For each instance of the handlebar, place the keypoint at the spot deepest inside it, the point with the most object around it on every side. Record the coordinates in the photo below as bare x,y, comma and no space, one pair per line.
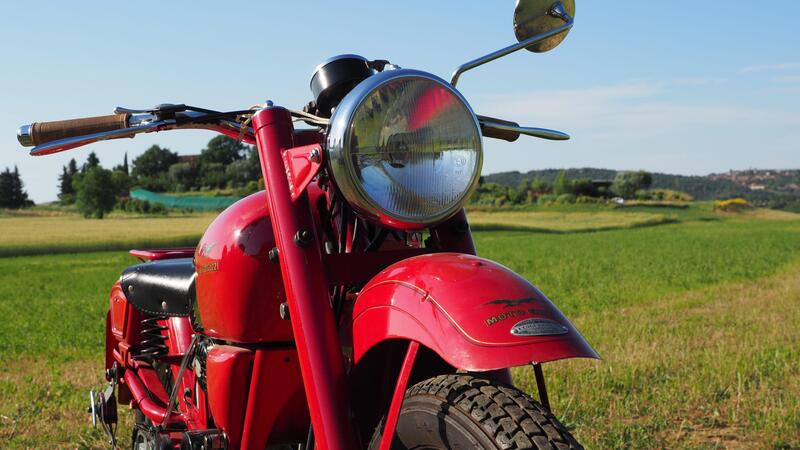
510,131
39,133
489,128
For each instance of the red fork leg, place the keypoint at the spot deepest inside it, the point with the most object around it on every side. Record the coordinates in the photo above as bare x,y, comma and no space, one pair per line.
399,394
321,362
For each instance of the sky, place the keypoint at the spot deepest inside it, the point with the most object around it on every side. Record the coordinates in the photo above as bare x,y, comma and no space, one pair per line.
675,86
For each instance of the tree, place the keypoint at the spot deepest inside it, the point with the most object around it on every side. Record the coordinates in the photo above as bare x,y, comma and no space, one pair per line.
222,150
183,176
121,182
12,190
154,162
92,161
241,172
66,190
96,193
562,184
627,183
124,166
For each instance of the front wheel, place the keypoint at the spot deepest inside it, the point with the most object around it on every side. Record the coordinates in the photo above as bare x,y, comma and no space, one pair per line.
466,412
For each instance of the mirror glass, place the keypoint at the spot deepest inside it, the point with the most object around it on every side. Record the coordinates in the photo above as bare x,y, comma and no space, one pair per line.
532,17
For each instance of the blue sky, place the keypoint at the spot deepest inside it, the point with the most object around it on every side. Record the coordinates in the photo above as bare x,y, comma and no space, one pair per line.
680,86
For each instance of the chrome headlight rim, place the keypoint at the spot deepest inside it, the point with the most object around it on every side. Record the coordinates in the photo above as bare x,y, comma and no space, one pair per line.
338,141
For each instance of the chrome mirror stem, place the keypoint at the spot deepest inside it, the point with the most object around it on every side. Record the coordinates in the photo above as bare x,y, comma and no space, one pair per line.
557,10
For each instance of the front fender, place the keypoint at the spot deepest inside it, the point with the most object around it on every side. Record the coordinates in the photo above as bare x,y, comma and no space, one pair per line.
476,314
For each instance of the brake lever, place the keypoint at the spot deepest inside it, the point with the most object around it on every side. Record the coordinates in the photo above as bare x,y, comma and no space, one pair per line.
510,131
164,108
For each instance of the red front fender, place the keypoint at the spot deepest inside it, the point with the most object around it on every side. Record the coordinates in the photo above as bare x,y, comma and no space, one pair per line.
464,308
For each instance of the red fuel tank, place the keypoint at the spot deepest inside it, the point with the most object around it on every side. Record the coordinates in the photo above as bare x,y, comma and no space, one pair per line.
239,290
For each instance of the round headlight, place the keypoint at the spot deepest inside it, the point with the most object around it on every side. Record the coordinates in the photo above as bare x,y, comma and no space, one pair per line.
405,149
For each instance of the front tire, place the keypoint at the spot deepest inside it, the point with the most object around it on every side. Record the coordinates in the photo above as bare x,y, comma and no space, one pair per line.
467,412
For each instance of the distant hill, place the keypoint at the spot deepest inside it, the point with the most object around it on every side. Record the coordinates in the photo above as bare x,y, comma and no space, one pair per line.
773,188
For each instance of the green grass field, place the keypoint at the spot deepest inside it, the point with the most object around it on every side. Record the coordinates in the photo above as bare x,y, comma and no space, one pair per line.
71,233
695,317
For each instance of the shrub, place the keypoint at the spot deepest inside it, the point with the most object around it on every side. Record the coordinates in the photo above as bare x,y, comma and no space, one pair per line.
96,192
732,205
546,199
565,199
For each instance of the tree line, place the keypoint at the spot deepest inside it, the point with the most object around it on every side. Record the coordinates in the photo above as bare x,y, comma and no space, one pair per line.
12,190
565,190
95,190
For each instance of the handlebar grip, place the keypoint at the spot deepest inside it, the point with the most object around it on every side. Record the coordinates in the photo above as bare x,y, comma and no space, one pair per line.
44,132
497,133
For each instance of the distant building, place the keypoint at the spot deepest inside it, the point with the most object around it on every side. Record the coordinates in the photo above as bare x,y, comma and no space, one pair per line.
757,187
192,160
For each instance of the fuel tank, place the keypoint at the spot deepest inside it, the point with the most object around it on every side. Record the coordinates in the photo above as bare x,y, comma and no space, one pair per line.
239,290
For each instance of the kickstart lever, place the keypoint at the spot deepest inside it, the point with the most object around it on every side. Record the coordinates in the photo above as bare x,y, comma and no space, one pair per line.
510,131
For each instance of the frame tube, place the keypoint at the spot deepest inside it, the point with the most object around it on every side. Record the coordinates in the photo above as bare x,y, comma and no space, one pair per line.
315,332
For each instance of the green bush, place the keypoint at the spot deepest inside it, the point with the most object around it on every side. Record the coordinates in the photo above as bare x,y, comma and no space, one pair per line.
546,199
96,192
565,199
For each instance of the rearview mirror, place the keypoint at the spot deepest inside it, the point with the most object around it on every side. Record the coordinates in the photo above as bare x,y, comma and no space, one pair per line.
539,25
535,17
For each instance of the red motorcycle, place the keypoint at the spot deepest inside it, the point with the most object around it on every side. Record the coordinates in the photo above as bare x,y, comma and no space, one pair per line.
343,307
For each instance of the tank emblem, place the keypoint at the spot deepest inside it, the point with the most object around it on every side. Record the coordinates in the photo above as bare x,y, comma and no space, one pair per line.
538,327
210,267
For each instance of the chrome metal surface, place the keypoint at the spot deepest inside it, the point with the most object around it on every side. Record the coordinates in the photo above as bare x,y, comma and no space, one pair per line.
123,110
543,133
314,156
93,408
534,17
339,158
508,50
184,363
24,135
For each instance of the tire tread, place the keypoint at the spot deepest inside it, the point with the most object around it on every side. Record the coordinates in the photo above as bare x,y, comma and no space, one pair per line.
513,419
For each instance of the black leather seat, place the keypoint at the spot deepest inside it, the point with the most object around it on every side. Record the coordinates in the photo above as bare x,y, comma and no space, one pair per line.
163,288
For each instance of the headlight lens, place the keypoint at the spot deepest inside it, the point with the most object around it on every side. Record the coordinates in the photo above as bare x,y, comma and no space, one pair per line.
405,148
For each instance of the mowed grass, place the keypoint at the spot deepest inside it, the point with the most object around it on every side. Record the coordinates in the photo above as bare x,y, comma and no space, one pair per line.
696,322
20,235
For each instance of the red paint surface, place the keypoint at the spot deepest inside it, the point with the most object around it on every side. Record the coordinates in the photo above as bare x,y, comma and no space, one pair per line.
125,319
397,397
155,254
312,321
228,372
239,291
441,300
301,168
276,403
